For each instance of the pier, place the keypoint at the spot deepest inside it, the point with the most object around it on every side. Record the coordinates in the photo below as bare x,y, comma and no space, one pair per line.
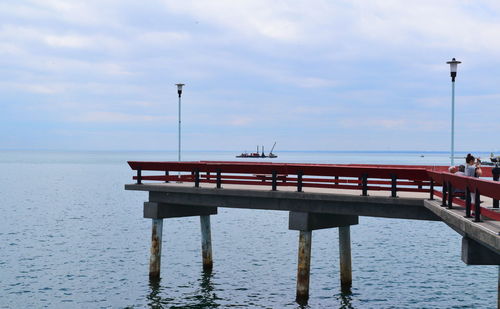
319,196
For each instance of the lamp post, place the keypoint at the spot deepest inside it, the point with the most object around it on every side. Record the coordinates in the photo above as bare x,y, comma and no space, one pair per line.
453,73
179,92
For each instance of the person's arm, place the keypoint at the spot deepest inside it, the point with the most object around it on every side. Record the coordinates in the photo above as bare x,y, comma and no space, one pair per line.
479,171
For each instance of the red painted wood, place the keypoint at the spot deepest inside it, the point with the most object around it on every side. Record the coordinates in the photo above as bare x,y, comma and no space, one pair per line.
488,213
322,176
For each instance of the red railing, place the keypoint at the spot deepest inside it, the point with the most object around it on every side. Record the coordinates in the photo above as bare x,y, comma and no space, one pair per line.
457,189
363,177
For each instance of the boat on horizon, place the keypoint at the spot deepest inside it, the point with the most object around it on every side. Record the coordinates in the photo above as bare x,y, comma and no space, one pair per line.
258,154
494,159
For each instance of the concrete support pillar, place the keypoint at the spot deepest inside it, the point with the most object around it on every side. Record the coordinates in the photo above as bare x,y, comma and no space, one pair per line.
345,257
206,242
306,222
155,258
304,265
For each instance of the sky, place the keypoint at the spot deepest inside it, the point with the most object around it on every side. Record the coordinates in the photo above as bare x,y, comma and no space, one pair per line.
310,75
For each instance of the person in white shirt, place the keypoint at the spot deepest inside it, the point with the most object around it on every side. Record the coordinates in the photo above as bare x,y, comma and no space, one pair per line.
473,169
458,170
473,166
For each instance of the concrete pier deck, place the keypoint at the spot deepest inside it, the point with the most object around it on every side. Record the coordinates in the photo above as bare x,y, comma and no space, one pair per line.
319,196
408,205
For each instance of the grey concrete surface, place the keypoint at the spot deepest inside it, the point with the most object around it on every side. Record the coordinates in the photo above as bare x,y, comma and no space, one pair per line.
474,253
316,202
177,200
156,210
485,232
306,221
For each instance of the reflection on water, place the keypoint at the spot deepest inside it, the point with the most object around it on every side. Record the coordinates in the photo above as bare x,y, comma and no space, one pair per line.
154,297
204,297
345,298
81,200
208,296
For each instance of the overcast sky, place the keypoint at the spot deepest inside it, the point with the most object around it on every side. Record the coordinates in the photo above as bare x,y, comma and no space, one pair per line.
311,75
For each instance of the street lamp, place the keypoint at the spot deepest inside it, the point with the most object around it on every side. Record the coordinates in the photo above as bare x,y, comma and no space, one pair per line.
453,72
179,91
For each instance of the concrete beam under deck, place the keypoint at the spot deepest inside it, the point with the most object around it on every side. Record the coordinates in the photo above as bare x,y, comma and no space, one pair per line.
485,233
307,221
473,253
154,210
327,203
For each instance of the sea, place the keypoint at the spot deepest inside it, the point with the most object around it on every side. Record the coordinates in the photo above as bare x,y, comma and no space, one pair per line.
72,237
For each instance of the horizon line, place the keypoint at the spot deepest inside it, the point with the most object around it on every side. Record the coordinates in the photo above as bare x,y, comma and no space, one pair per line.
237,151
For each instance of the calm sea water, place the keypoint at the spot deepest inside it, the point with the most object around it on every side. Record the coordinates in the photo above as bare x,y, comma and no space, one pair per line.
72,237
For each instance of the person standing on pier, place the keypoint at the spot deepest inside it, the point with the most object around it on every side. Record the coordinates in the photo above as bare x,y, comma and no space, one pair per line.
473,166
473,169
459,171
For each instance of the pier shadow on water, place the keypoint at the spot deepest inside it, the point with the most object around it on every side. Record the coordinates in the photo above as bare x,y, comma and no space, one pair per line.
203,297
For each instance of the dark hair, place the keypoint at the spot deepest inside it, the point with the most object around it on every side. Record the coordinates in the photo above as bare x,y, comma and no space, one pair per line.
461,168
470,158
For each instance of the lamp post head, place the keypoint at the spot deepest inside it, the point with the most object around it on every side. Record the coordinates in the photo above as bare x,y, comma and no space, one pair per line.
179,89
453,68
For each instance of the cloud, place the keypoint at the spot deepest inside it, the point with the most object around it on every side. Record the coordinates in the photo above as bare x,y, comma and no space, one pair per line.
326,65
163,37
114,117
250,18
374,123
240,121
71,41
85,13
60,38
358,27
37,88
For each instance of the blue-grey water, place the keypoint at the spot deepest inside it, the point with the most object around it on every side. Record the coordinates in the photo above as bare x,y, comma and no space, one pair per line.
72,237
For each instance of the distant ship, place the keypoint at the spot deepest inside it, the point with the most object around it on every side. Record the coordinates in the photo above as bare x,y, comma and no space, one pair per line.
494,159
258,154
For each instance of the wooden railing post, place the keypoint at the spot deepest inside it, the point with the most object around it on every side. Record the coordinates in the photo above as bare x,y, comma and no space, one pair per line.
219,180
477,206
496,175
139,177
445,188
450,195
432,190
299,181
197,178
468,202
364,183
393,185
